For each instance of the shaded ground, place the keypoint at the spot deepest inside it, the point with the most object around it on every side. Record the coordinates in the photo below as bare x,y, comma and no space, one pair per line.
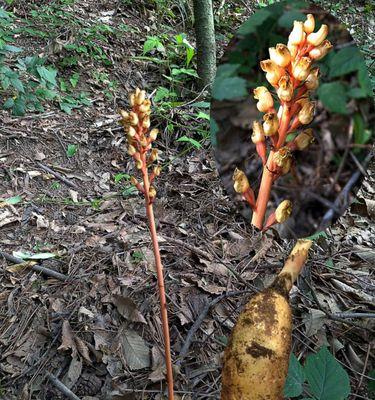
99,331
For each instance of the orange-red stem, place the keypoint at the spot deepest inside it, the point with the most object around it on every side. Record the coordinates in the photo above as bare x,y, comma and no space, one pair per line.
160,277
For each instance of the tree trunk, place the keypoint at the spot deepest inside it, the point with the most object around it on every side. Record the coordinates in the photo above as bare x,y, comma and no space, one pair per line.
205,38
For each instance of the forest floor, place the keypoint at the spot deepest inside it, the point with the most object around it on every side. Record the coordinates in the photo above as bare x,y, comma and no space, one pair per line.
96,327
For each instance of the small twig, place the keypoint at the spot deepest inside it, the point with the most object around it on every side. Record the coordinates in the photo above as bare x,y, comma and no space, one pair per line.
36,267
200,319
58,176
353,315
61,387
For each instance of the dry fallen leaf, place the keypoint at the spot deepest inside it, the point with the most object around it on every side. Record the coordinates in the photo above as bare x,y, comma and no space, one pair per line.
128,309
135,351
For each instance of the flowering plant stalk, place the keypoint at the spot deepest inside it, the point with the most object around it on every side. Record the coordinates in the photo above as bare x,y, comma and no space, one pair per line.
140,138
290,72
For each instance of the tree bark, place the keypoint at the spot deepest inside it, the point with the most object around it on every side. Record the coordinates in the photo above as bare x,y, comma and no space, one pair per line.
205,38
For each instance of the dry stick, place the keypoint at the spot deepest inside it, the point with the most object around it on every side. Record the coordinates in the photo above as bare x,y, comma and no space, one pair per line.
61,387
36,267
58,176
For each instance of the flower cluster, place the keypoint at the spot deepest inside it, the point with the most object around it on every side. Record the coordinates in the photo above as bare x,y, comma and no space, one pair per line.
291,73
140,138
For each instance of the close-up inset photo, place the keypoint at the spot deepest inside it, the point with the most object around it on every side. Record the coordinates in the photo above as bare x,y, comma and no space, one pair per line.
291,118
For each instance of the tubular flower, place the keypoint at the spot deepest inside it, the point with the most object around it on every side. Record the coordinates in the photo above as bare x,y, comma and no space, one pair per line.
283,211
321,51
312,81
293,49
241,183
285,89
273,71
304,139
306,114
281,156
133,118
153,134
264,97
270,124
316,38
280,55
258,138
309,24
297,35
302,69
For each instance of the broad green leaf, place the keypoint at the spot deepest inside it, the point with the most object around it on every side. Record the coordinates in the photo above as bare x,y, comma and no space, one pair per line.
229,88
163,93
48,74
227,70
13,200
201,104
371,383
364,80
9,103
17,84
184,71
287,19
19,107
295,379
12,49
257,19
346,60
151,43
203,115
361,134
356,93
327,379
71,150
189,140
333,96
74,79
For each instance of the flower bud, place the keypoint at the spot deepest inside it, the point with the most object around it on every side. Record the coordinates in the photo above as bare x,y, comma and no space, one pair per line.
304,139
132,99
285,89
131,150
145,106
140,97
139,164
270,124
133,180
312,81
125,115
157,170
302,69
265,102
297,35
280,55
131,131
319,52
241,183
146,122
153,134
293,49
309,24
281,155
258,134
316,38
306,114
274,72
153,155
283,211
133,118
152,192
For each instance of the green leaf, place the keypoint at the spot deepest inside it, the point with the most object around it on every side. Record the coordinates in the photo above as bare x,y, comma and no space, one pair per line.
229,88
227,70
361,135
364,80
17,84
151,43
346,60
9,103
48,74
200,104
71,150
333,96
203,115
287,19
163,93
19,107
184,71
327,379
189,140
257,19
317,235
12,49
13,200
295,379
74,79
371,383
356,93
214,129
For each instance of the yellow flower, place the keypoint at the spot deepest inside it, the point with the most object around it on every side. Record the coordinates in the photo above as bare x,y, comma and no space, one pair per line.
285,89
297,35
258,133
273,71
312,81
316,38
241,183
319,52
153,134
270,124
283,211
306,113
265,102
302,69
304,139
309,24
280,55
